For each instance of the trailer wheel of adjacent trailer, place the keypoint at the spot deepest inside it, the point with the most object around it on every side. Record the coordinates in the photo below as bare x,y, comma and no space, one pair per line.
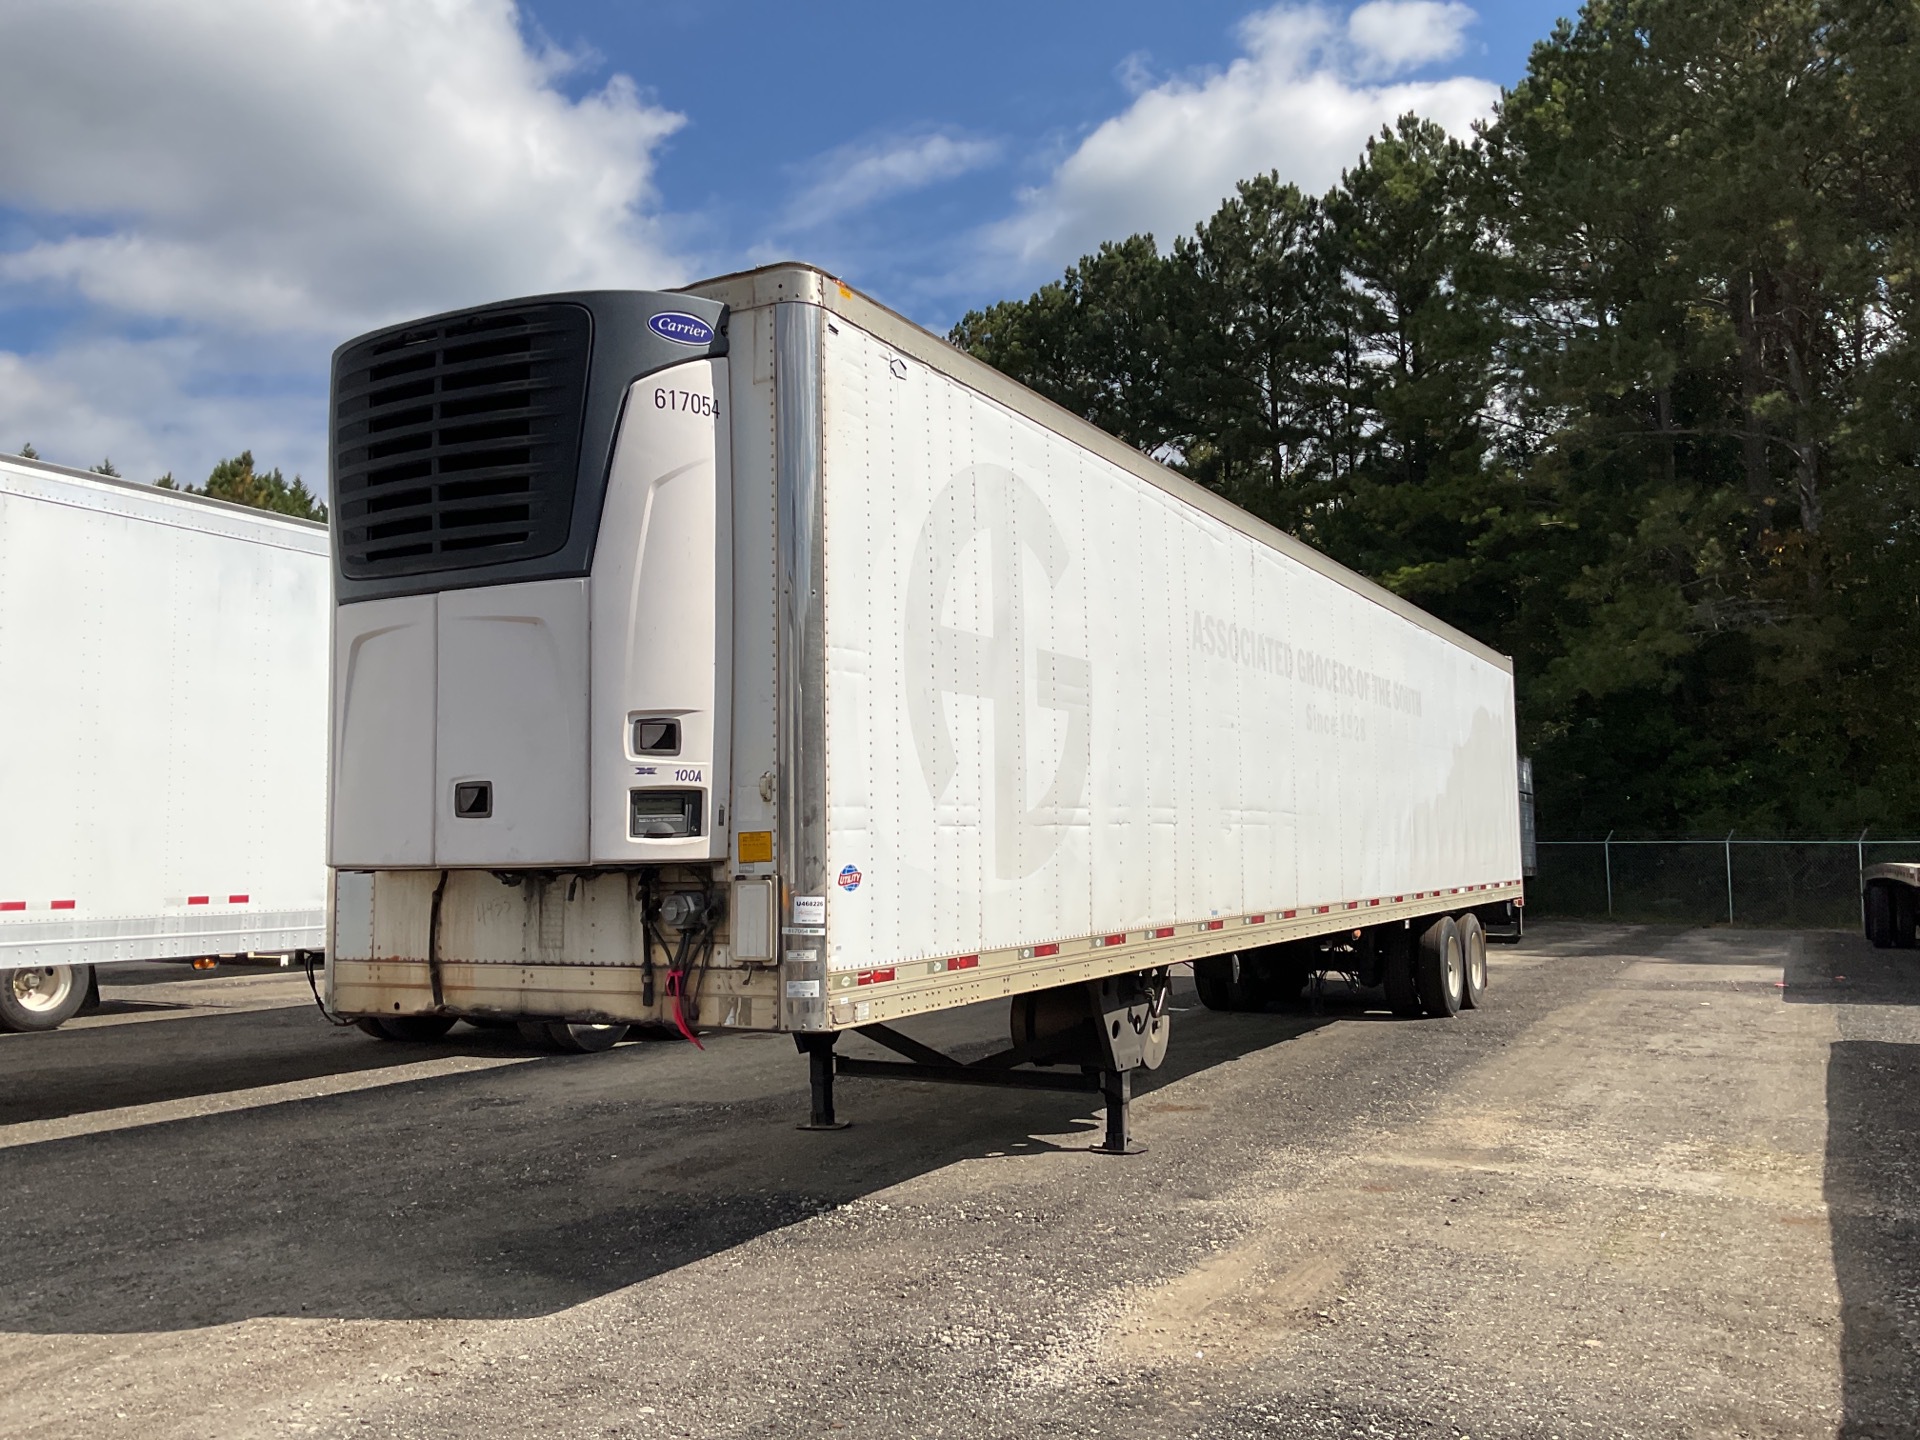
1473,948
1229,982
414,1028
1879,915
43,997
571,1038
1439,968
1890,915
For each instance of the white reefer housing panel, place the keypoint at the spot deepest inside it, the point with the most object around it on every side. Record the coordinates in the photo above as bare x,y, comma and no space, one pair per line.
162,719
1061,702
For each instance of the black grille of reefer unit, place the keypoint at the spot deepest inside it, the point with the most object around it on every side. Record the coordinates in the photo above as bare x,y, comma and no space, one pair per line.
456,443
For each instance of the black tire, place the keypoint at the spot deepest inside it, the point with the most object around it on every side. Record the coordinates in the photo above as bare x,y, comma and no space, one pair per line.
1396,972
409,1029
43,997
1286,976
571,1038
1228,982
1903,917
1473,954
1439,968
1879,908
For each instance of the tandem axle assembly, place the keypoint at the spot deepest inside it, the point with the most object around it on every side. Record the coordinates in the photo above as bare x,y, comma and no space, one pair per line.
1105,1029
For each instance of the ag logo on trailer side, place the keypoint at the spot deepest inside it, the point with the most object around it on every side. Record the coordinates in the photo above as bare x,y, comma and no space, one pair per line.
995,666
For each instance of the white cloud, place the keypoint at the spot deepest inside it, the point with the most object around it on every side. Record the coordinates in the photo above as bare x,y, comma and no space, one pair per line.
307,168
856,176
153,406
1302,99
316,164
1395,35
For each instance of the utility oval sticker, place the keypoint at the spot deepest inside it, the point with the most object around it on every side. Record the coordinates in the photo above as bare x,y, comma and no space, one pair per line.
681,329
850,878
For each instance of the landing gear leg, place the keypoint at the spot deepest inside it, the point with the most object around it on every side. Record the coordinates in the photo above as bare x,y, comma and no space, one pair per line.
818,1048
1117,1088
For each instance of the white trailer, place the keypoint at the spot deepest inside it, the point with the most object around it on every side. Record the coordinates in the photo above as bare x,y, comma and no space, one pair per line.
748,650
162,732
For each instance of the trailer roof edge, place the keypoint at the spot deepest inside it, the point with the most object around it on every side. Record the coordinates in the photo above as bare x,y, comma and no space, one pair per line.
68,472
799,282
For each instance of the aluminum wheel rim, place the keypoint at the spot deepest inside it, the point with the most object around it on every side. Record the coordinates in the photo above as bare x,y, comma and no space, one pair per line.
1477,965
43,989
1456,971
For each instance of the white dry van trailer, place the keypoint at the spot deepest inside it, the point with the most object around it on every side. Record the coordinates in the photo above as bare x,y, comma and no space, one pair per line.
747,656
163,692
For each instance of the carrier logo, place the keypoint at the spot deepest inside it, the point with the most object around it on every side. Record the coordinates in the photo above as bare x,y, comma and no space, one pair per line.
1000,666
850,878
680,328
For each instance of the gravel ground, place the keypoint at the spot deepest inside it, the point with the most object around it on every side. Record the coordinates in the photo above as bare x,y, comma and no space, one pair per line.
1665,1185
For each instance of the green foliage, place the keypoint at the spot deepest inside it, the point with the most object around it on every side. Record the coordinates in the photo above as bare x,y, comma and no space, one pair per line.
27,452
1628,386
105,467
237,481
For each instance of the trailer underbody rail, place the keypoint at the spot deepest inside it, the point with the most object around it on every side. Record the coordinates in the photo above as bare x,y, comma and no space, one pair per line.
923,1062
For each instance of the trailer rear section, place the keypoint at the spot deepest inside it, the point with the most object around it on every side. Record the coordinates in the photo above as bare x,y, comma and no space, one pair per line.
166,679
818,677
1889,901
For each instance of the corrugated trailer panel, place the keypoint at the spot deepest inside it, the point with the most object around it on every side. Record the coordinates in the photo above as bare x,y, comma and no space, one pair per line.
166,664
1062,702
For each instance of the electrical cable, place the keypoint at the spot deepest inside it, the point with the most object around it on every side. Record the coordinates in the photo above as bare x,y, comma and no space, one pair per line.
646,937
314,986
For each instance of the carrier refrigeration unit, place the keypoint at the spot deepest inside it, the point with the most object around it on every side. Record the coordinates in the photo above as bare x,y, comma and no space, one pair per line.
746,656
163,694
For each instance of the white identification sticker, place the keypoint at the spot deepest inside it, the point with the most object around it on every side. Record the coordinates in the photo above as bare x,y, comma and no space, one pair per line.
803,989
809,909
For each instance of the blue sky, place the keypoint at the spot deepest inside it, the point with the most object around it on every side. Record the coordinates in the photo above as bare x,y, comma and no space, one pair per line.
199,199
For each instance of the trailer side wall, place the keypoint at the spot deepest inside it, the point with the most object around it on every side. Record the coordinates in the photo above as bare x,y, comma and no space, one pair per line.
1062,702
164,709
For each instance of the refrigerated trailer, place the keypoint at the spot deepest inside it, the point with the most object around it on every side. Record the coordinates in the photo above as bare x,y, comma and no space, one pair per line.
163,702
746,656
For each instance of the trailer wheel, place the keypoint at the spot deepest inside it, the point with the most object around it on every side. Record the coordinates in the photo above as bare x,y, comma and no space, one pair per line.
1439,968
1473,949
407,1028
571,1038
1880,915
1396,972
1228,982
43,997
1903,917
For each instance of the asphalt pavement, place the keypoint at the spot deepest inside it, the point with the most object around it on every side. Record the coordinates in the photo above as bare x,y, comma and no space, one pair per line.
1666,1184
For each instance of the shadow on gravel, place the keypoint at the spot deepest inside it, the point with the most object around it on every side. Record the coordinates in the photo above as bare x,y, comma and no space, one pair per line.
1873,1196
1833,967
510,1192
84,1070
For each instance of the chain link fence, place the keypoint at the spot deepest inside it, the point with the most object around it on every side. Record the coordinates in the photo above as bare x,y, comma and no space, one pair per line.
1791,884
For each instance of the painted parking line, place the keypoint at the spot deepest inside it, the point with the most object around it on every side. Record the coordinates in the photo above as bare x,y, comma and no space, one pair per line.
194,1107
